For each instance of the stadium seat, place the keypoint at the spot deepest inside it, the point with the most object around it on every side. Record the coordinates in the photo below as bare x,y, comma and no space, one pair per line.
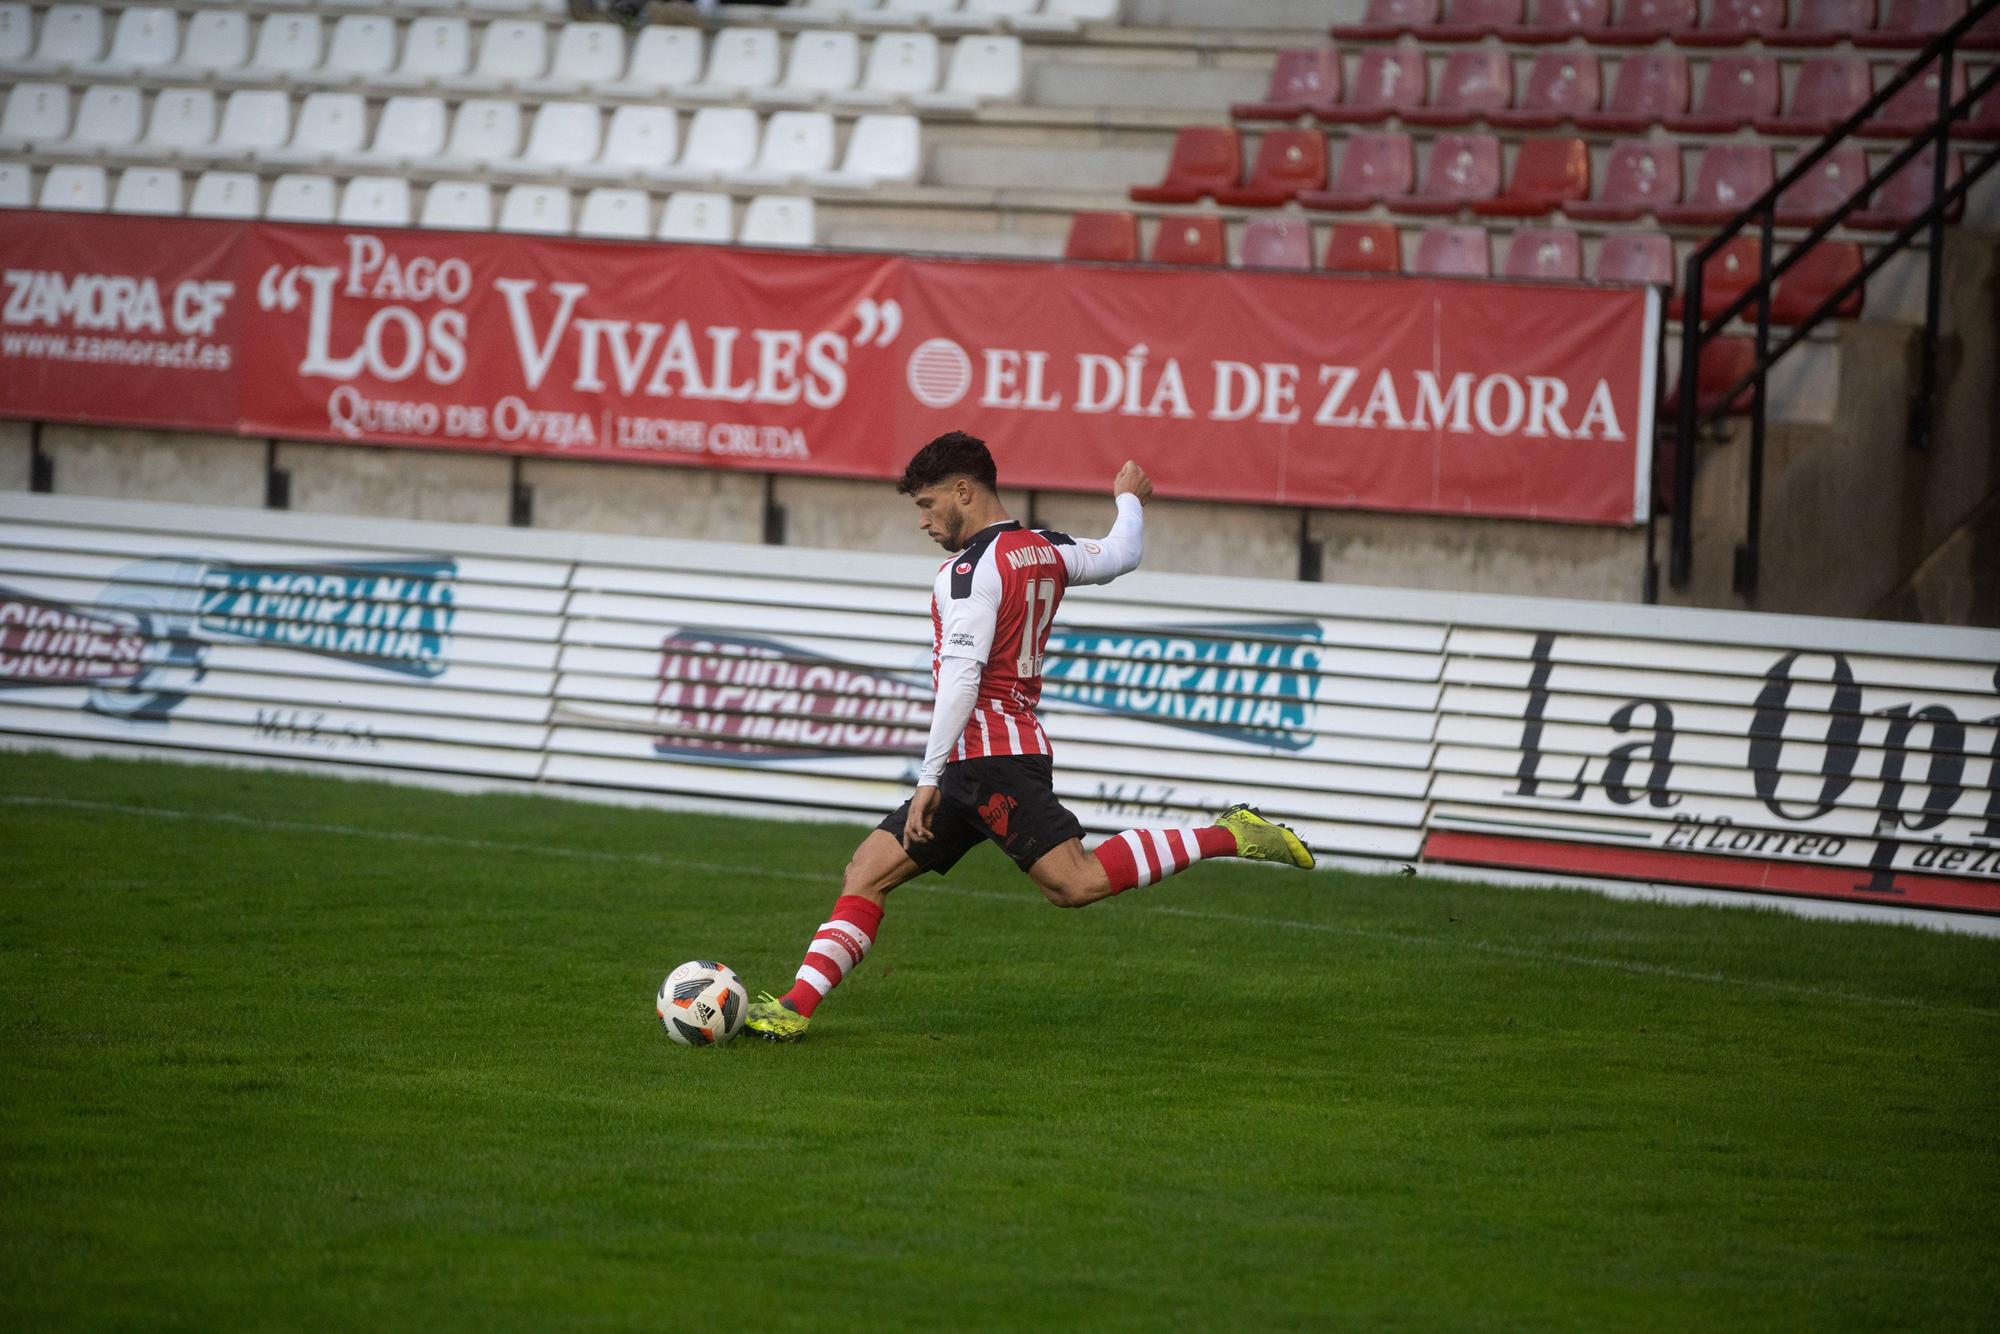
151,190
822,63
1103,236
900,66
74,188
1065,16
987,12
37,113
1470,20
1373,167
1724,361
409,130
1364,247
839,7
1287,162
146,38
740,61
1814,277
375,201
255,121
781,220
721,141
1188,240
1635,257
183,118
1648,88
1643,22
1827,91
588,57
1558,21
540,210
1277,243
1822,23
1453,252
300,198
1548,173
72,36
881,150
1911,23
1984,122
1389,81
363,46
436,50
330,125
693,215
612,212
224,194
217,43
1825,188
563,135
1303,80
1641,176
1543,252
286,44
1474,82
465,206
1205,159
1461,168
1561,85
14,186
663,58
1389,19
485,130
107,117
17,39
1729,178
904,13
982,69
1733,22
1907,194
1725,275
640,141
1983,35
796,145
1912,107
1737,90
511,52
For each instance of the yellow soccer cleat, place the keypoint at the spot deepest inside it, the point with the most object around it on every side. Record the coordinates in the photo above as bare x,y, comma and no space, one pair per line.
1261,840
774,1021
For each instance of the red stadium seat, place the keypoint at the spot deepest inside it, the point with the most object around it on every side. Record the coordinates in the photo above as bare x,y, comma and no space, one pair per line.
1453,252
1814,278
1643,175
1734,22
1543,252
1828,91
1389,81
1461,168
1561,85
1643,22
1303,80
1364,247
1287,162
1825,188
1636,257
1907,193
1277,243
1474,82
1373,167
1108,236
1547,174
1725,275
1649,88
1823,22
1984,123
1912,23
1470,20
1386,19
1189,239
1738,89
1724,361
1206,158
1559,20
1730,177
1913,106
1984,35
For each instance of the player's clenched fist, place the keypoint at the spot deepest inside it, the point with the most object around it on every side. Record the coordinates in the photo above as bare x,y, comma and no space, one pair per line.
1133,478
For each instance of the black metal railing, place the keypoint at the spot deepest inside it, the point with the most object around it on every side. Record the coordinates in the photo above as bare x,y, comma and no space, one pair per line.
1697,332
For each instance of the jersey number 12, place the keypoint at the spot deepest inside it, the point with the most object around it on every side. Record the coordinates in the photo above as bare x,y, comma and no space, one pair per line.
1035,626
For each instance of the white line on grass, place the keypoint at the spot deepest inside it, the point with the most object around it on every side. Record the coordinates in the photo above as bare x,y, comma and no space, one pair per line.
1164,910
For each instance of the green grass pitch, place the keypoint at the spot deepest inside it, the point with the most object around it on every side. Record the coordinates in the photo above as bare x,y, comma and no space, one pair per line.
289,1052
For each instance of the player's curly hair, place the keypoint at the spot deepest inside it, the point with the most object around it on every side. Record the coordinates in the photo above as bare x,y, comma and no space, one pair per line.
953,454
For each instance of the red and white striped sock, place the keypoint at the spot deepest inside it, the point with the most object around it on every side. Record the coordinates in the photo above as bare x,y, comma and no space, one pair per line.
1146,856
837,948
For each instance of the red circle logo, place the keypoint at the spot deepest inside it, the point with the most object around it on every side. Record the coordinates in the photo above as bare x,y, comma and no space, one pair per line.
965,567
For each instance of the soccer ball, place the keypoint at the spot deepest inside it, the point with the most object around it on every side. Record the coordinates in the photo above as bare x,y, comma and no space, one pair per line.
702,1004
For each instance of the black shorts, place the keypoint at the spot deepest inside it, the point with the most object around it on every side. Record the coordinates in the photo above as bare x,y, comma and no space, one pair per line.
1010,799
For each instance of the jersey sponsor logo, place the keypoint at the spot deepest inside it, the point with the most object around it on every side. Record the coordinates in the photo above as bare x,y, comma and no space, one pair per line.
997,811
725,696
961,639
1255,686
964,567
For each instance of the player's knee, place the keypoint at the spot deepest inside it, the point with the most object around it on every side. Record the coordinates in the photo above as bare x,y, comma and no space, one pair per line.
1068,893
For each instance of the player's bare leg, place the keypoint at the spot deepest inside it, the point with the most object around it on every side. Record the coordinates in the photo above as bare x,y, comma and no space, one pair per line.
878,865
1073,878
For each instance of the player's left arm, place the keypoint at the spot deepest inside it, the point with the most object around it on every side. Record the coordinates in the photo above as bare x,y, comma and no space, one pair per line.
1120,550
966,625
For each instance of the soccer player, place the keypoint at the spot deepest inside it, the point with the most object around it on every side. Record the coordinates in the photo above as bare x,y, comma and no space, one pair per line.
987,768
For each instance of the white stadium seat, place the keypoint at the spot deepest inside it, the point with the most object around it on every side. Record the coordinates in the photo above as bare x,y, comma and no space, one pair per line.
1065,16
588,56
608,212
108,117
182,118
796,144
564,135
296,198
218,41
903,13
778,220
37,113
512,52
363,46
254,121
662,58
485,130
982,69
841,6
694,215
521,6
410,129
224,194
435,49
539,209
147,190
78,189
14,186
987,13
330,125
145,38
900,65
17,33
640,142
822,63
720,141
882,150
375,201
286,44
465,206
740,60
71,35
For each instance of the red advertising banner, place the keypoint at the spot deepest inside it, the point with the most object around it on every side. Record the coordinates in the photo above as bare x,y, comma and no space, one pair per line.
1501,399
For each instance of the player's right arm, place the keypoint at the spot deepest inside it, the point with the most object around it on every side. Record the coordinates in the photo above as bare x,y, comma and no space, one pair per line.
1118,551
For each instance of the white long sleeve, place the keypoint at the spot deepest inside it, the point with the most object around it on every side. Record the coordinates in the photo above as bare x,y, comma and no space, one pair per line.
957,691
1117,552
